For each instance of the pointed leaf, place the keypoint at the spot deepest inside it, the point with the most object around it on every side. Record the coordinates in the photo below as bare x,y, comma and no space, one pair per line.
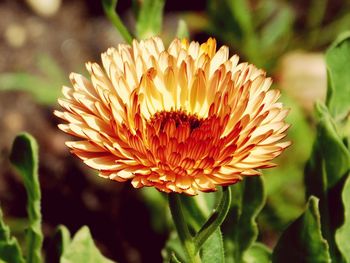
83,249
10,251
337,58
302,241
343,233
24,157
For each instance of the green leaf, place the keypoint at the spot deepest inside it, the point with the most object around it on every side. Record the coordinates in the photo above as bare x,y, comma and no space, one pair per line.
330,159
302,241
149,21
338,94
182,30
83,249
343,233
240,10
257,253
240,228
279,26
45,87
24,157
59,244
10,251
213,249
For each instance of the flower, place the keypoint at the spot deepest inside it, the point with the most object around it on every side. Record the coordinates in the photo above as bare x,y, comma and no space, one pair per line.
183,119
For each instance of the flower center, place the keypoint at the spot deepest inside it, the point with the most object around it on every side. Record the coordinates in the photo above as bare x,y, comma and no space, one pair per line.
179,117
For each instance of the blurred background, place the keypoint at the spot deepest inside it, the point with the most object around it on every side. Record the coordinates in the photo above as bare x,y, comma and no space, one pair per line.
42,41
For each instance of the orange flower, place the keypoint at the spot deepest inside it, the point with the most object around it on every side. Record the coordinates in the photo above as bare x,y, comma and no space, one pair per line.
183,119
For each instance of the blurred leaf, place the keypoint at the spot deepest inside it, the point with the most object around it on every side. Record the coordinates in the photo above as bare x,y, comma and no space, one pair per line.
182,30
149,20
213,249
240,228
24,156
337,59
241,11
280,25
83,249
342,235
45,87
257,253
302,241
10,251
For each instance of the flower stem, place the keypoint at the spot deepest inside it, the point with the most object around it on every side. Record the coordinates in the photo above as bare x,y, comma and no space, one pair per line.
215,220
182,229
109,8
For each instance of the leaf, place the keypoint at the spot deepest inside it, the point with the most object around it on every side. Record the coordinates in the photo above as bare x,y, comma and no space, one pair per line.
302,241
45,87
83,249
10,251
343,233
325,174
24,156
280,25
182,30
330,159
59,244
240,227
213,249
338,94
257,253
149,21
242,13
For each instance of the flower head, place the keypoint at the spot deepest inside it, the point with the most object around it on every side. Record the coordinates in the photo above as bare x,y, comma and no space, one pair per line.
183,119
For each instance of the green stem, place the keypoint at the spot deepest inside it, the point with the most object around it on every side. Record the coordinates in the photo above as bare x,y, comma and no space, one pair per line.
215,220
182,229
116,21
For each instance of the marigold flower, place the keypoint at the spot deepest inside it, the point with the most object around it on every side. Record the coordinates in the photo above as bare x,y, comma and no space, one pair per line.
183,119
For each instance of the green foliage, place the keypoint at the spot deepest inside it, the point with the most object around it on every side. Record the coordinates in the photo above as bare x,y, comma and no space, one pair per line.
83,249
9,248
343,233
337,58
45,87
150,17
257,253
276,27
240,228
24,157
329,165
302,241
213,249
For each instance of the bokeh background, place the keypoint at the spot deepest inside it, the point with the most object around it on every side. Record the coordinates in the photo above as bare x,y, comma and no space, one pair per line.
42,41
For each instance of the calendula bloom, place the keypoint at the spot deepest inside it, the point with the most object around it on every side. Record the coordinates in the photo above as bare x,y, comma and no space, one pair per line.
183,119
